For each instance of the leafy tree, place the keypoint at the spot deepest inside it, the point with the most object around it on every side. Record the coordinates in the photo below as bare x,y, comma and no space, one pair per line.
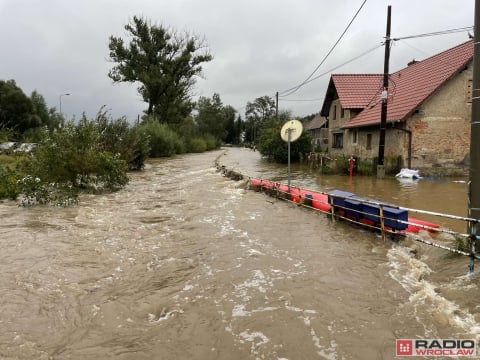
211,118
118,137
15,108
39,109
275,149
163,140
231,137
261,109
239,130
165,64
256,113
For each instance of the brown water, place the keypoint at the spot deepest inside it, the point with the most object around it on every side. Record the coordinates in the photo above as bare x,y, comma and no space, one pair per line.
186,264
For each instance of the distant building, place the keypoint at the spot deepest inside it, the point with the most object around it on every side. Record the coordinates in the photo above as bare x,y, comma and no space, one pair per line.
428,119
318,129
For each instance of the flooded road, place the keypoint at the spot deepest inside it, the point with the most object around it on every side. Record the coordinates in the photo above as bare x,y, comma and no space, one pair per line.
186,264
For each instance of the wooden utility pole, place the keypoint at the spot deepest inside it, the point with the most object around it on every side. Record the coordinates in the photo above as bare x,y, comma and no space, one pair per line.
276,106
474,188
384,97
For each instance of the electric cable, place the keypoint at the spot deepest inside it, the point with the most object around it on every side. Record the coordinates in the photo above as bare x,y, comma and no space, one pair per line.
295,88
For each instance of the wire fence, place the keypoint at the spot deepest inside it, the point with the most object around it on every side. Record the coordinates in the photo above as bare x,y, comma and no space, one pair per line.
389,219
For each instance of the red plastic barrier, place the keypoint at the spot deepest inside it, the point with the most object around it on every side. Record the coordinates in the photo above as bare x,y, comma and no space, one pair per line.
415,229
256,182
320,201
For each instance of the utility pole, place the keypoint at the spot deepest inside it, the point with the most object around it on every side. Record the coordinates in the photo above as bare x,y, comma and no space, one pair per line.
474,184
384,97
276,106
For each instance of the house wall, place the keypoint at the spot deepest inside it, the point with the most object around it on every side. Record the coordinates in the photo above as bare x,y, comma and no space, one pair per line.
441,128
335,122
440,132
319,138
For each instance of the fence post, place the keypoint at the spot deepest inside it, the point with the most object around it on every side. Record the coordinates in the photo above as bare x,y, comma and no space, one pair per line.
382,224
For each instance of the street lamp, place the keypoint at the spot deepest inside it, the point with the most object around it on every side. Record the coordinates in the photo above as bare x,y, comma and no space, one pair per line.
60,100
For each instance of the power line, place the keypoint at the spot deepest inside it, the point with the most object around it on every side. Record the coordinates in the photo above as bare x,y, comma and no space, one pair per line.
344,63
443,32
436,33
302,99
295,88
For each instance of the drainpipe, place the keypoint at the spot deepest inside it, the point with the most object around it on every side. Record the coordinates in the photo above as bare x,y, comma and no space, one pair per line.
409,132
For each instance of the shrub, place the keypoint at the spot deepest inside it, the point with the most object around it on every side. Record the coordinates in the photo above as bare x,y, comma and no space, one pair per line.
197,145
8,184
118,137
210,142
163,140
69,160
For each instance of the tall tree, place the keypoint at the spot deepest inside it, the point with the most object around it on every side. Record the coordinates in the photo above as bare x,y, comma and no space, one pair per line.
230,125
256,113
15,108
261,109
239,130
165,64
211,117
40,109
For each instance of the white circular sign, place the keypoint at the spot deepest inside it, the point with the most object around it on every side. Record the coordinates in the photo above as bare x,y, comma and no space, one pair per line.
294,127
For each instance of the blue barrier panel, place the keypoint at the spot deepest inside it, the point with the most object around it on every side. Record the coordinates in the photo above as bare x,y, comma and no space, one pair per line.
336,200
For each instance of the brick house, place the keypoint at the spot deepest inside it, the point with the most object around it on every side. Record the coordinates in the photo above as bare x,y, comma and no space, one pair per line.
428,118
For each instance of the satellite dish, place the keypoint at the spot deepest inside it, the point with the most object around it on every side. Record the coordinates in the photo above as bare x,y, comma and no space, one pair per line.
294,127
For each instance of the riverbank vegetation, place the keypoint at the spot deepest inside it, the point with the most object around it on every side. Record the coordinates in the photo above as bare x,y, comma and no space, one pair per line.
94,155
68,157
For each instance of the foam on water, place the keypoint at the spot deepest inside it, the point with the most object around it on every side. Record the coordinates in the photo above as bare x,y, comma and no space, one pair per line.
410,273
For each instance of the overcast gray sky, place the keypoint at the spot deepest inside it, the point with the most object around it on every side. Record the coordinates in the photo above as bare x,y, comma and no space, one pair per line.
259,46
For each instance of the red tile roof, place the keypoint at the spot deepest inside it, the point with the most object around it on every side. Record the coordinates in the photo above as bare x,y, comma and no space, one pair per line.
356,91
316,123
408,88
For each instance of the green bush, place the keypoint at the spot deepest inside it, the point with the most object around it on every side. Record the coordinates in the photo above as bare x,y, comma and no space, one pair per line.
211,142
163,140
8,184
70,160
180,145
117,137
197,145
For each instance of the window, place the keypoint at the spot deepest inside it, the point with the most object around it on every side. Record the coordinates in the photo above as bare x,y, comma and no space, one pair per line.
354,136
337,140
342,112
369,141
334,112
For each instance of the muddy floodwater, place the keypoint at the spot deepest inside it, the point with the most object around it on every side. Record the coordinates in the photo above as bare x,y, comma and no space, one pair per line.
186,264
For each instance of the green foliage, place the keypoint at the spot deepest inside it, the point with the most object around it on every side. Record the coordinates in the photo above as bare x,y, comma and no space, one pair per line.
364,167
8,184
23,115
211,118
163,140
274,148
15,108
261,109
165,64
37,192
232,135
117,137
210,142
73,159
197,145
256,114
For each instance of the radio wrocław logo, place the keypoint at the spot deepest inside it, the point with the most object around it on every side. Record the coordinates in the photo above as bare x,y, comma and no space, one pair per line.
436,347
